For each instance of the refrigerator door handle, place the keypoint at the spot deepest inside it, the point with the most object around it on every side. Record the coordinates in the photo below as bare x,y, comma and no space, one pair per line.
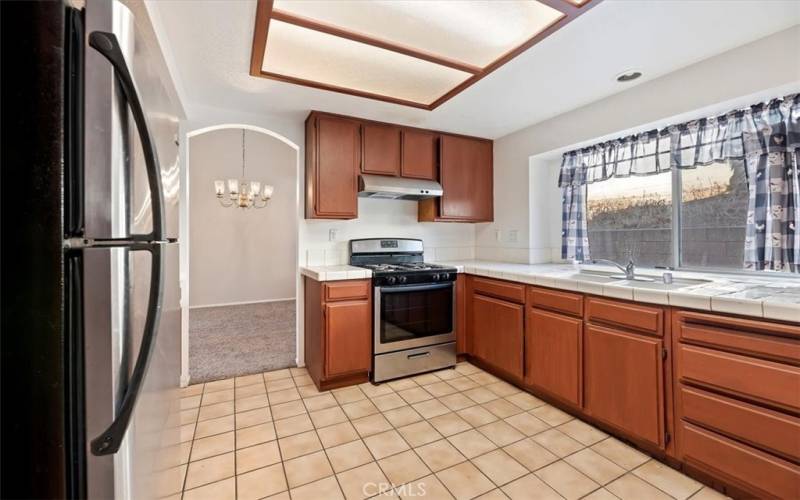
109,441
108,45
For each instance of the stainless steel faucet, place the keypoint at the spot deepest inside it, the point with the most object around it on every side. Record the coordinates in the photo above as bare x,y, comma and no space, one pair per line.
628,269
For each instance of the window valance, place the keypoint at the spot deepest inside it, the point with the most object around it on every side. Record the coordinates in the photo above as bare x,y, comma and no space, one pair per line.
768,127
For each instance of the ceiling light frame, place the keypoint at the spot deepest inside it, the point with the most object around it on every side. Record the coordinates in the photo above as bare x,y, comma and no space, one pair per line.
265,13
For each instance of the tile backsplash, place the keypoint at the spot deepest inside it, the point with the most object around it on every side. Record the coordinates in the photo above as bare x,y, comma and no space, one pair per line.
338,255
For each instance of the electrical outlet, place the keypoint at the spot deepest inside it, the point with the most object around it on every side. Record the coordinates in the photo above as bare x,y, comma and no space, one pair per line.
498,235
333,234
512,236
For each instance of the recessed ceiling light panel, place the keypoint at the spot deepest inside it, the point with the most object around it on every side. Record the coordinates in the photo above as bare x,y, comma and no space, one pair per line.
410,52
471,31
314,56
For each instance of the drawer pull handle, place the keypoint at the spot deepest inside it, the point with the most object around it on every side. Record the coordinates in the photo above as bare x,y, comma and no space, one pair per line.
419,355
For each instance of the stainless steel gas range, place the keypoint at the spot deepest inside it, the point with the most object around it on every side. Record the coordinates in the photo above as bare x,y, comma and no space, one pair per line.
414,317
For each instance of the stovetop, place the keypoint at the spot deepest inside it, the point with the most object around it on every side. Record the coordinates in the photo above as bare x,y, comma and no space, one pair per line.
410,273
397,262
406,267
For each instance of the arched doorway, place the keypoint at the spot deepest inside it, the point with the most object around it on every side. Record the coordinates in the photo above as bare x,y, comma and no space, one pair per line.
239,266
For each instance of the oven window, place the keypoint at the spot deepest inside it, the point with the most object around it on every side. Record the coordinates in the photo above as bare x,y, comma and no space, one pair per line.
415,314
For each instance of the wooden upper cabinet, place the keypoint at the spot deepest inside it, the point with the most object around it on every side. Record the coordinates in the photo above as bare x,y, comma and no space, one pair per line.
466,175
339,148
420,154
333,156
380,149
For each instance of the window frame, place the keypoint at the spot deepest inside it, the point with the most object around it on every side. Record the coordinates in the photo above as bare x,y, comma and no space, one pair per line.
676,225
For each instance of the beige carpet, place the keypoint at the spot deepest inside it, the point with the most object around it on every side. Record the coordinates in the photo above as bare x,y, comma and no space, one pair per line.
232,341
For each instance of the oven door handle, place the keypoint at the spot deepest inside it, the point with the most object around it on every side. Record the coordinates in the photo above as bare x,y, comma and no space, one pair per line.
415,288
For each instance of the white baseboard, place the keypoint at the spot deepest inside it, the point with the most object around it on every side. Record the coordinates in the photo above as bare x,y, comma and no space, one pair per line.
223,304
184,380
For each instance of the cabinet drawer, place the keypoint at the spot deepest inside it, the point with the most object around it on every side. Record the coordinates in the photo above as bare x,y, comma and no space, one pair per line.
513,292
740,464
347,290
636,317
766,429
570,303
764,381
775,341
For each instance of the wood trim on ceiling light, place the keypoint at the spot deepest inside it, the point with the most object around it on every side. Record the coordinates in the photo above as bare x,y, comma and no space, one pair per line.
264,13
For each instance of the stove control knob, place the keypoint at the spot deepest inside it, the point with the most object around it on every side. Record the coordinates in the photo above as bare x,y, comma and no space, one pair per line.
402,279
435,277
391,280
445,276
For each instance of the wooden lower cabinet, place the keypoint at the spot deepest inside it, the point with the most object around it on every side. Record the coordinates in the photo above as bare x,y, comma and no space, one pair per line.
737,402
624,382
338,331
348,327
496,328
553,360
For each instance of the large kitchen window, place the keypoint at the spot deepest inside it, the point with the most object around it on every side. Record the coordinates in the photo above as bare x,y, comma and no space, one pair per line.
684,218
721,193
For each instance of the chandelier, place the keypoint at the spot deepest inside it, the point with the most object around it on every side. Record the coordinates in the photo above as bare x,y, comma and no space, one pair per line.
243,193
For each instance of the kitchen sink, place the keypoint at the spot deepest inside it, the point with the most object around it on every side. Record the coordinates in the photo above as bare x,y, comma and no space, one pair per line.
594,276
641,281
658,284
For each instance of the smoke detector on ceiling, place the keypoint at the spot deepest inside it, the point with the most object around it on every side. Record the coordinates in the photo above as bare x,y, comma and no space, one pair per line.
628,75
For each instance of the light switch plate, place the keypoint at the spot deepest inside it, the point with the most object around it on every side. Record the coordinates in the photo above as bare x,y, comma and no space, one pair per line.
333,234
498,235
512,236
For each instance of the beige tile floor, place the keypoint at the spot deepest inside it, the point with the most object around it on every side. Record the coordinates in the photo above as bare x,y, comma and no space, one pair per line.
451,434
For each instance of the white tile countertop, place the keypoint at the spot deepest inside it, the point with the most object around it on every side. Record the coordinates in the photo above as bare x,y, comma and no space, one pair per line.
763,297
333,273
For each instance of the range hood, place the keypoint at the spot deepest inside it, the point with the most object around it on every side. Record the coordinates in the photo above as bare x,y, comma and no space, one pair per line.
397,188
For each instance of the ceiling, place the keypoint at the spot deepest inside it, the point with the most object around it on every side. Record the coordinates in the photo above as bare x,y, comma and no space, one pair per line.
420,54
573,67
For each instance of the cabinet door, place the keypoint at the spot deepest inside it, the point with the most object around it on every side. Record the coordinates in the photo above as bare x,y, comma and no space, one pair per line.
466,177
497,333
381,149
348,337
624,382
419,155
553,354
336,173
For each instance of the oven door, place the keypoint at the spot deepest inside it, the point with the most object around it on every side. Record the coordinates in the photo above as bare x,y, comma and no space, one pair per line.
413,316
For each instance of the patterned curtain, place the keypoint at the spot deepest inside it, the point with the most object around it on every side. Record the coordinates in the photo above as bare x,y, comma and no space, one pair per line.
766,136
574,235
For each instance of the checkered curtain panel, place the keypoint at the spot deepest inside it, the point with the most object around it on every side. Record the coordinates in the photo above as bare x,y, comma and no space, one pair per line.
765,136
574,235
772,241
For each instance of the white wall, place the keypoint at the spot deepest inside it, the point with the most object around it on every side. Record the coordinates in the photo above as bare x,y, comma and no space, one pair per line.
529,203
240,255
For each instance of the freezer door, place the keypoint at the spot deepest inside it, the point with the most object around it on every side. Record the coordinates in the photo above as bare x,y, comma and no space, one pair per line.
116,297
163,122
117,201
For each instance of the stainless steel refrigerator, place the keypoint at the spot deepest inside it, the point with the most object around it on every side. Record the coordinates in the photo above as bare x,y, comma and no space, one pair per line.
90,255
